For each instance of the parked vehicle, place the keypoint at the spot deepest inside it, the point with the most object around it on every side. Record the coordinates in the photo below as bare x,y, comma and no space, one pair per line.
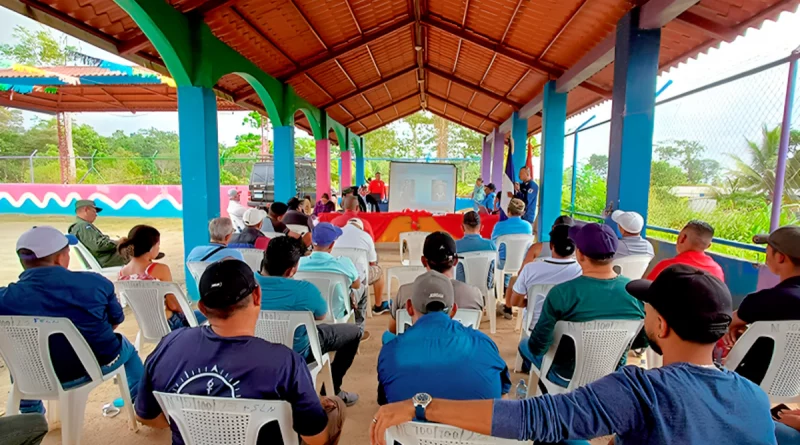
262,181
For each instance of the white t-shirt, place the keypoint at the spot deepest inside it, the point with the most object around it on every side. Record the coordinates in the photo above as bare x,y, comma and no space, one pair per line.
355,238
544,271
236,213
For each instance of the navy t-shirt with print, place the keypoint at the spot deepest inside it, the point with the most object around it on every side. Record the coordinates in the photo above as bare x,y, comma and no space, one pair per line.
198,361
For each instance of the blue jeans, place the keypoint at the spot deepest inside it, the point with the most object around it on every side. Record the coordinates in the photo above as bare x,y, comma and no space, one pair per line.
536,360
128,357
178,320
786,435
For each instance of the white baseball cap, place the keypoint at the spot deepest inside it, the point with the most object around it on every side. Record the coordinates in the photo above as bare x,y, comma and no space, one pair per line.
44,241
356,222
632,222
252,217
232,193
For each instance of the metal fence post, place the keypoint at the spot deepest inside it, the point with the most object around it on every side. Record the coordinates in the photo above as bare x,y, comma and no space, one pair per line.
30,161
783,149
575,164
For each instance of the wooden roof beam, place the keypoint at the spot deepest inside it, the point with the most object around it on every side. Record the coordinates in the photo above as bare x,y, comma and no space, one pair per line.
709,27
263,36
472,86
461,122
369,87
470,112
389,121
383,108
134,45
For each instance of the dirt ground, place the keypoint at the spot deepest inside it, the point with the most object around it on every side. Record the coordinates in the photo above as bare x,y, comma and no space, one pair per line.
97,430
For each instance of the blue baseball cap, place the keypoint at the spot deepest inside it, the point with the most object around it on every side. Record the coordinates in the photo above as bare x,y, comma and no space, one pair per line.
324,234
597,241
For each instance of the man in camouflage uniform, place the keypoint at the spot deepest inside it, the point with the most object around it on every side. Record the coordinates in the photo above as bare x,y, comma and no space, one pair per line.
100,245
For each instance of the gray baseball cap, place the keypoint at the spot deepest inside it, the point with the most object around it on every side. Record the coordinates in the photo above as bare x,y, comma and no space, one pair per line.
432,287
785,240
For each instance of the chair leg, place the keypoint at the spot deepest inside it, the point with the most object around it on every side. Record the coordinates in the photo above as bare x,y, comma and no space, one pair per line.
370,299
53,414
533,383
138,342
492,312
73,403
518,327
12,406
122,383
327,377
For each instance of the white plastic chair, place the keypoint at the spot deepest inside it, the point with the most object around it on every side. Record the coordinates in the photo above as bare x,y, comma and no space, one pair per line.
476,272
271,235
526,317
196,268
782,380
359,257
297,228
216,420
403,275
25,348
146,298
633,266
413,242
467,317
326,282
252,257
421,433
516,248
599,346
90,263
279,326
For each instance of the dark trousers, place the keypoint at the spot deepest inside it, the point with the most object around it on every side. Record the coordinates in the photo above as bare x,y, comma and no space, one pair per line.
343,338
22,429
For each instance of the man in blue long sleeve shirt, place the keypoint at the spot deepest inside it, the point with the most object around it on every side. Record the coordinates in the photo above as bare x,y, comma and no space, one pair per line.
688,401
528,192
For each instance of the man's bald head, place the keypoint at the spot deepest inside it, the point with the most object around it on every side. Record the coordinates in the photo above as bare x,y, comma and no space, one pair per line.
351,203
696,235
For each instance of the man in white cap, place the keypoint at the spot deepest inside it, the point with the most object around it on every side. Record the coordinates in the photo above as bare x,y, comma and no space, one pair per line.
47,288
251,236
354,237
236,209
630,226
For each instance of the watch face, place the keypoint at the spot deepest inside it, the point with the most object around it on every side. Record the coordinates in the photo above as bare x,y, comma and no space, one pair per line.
422,399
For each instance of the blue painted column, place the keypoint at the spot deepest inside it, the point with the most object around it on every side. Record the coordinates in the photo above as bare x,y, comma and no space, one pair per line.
554,117
486,160
519,134
498,163
285,182
199,159
632,115
361,175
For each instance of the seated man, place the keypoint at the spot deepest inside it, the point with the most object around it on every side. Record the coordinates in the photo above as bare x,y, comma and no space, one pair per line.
514,225
274,223
279,292
781,302
450,360
295,215
251,237
599,294
235,364
542,249
439,254
473,242
560,268
694,239
354,237
236,209
220,231
630,226
488,203
101,246
688,401
351,210
321,260
48,289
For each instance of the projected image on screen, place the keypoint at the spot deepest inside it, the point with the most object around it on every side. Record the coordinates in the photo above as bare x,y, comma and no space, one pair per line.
421,186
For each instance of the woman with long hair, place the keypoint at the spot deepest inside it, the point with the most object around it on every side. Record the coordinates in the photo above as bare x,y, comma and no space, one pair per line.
142,247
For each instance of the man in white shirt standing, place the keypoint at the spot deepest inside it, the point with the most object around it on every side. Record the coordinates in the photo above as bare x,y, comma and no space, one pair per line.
354,237
559,268
630,226
236,209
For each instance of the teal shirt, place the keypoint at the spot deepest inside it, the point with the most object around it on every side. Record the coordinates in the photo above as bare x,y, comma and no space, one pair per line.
325,262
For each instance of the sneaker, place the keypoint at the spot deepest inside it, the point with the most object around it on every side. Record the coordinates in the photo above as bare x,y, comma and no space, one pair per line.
349,398
365,336
507,314
382,309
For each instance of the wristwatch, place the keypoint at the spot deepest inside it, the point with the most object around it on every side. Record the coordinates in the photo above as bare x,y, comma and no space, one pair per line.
421,401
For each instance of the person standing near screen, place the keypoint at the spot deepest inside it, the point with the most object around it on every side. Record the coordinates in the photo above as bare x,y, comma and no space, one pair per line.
377,188
528,192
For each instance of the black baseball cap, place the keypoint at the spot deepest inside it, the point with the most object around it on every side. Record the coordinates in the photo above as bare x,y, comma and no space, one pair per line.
439,248
226,283
696,304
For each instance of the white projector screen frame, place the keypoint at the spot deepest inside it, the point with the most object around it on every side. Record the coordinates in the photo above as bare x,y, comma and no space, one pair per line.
399,175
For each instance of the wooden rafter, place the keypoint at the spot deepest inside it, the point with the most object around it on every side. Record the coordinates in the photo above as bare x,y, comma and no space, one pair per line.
488,68
458,54
308,23
311,79
519,81
470,112
389,93
211,6
383,123
563,28
444,116
353,15
383,108
236,13
369,87
709,27
374,63
344,71
458,81
134,45
464,16
510,21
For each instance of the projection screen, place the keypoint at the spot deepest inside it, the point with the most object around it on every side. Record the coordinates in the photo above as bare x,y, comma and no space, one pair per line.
422,186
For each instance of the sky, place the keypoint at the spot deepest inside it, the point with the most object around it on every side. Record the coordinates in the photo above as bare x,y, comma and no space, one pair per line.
720,119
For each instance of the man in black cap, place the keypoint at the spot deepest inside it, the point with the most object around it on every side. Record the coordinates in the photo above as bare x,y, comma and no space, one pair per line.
688,401
226,360
781,302
439,254
103,248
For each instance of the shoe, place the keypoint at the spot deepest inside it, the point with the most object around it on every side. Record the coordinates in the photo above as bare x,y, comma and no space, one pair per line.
507,314
365,336
382,309
349,398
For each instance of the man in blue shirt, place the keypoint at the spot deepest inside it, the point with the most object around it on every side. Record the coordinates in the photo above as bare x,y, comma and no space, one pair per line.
279,292
226,360
473,242
220,230
487,205
514,225
48,289
688,401
478,194
528,192
438,355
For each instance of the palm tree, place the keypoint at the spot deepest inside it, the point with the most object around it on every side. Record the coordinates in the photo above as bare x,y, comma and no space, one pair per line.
758,175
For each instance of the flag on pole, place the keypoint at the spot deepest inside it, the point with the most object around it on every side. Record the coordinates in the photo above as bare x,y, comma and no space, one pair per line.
507,186
529,160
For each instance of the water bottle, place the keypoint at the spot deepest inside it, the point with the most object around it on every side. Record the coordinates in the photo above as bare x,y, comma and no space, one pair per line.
522,389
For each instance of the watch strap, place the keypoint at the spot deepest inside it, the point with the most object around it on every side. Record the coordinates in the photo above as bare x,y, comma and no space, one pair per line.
419,412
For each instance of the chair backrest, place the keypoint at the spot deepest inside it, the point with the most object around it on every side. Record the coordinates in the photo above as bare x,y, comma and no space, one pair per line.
252,257
146,298
357,256
326,282
599,346
419,433
87,258
516,248
467,317
632,266
476,268
403,320
413,242
782,380
403,275
297,228
216,420
279,326
25,348
533,292
196,268
271,235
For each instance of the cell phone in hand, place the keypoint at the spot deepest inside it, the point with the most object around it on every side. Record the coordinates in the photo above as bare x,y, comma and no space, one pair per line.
776,411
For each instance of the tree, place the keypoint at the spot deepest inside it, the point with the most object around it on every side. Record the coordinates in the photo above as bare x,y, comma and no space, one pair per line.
664,174
442,127
37,47
687,154
464,143
599,163
422,134
758,174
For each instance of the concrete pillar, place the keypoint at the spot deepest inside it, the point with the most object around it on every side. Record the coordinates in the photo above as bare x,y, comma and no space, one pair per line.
323,167
346,178
361,175
632,115
498,163
519,134
486,160
554,116
285,181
